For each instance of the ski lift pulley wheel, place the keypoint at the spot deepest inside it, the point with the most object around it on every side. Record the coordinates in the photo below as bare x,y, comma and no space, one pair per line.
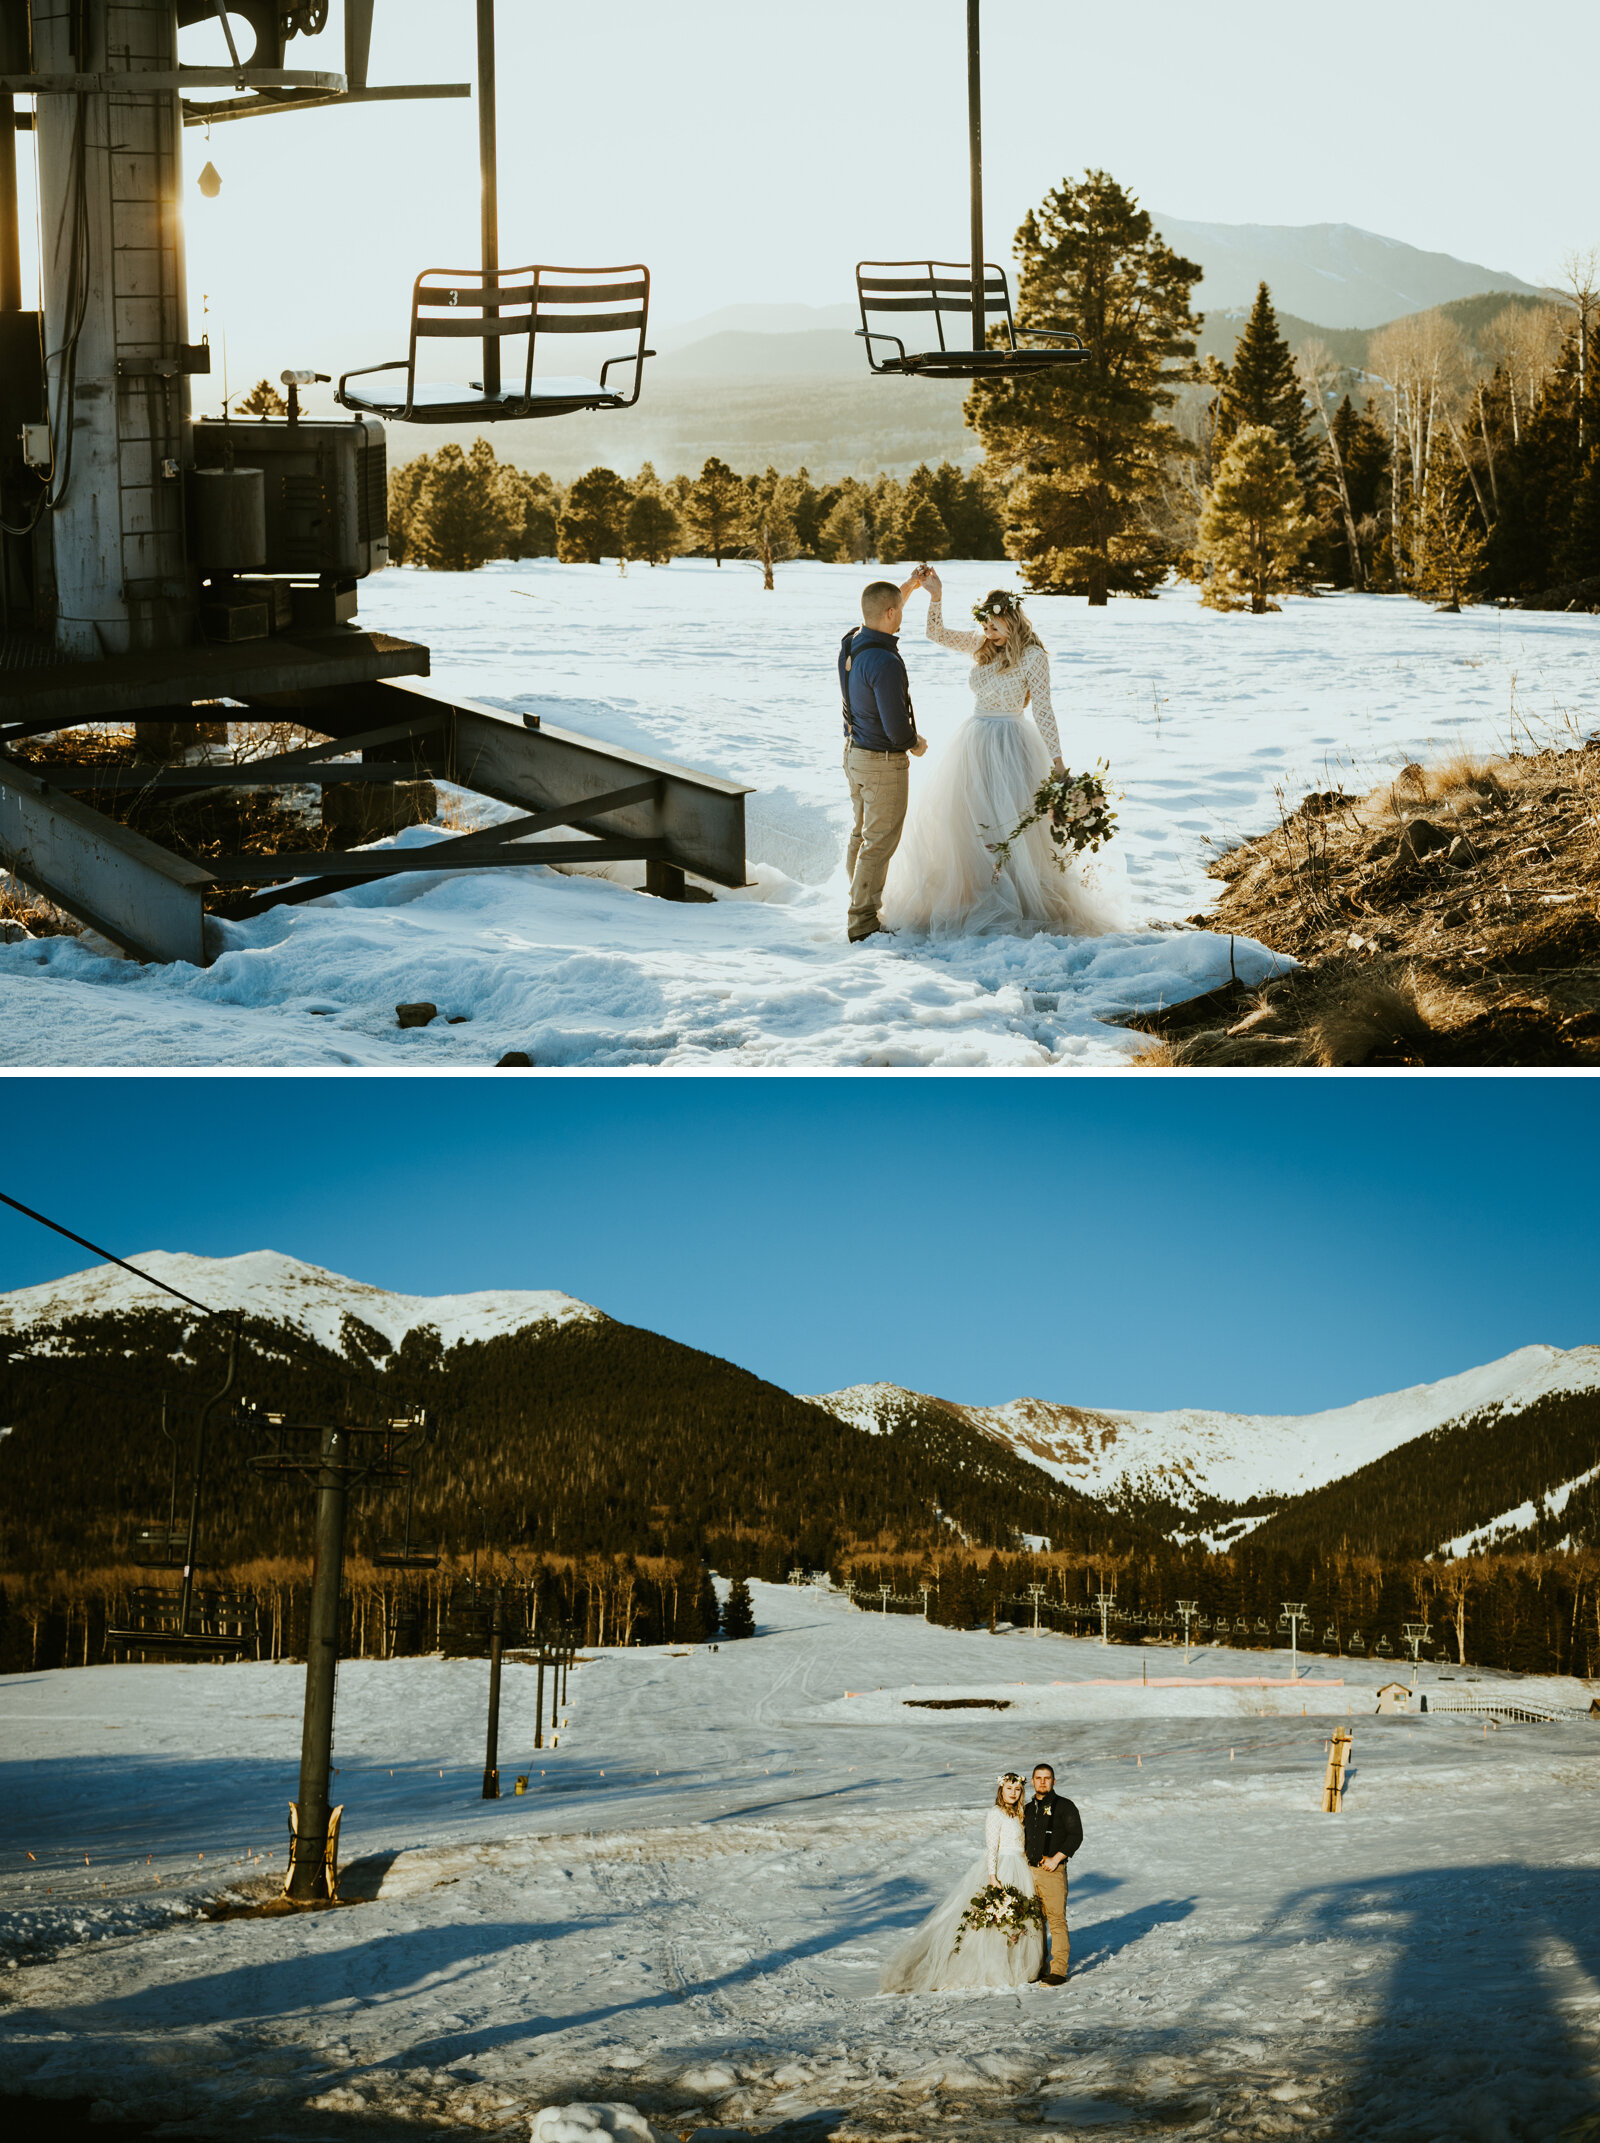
933,288
531,303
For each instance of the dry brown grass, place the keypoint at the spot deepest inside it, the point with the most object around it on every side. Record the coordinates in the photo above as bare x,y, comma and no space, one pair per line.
1450,916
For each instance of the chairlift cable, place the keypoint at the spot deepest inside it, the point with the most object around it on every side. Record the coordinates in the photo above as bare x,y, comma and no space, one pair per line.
110,1257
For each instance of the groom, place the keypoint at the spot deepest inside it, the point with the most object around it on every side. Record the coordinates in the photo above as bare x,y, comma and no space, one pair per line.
1052,1832
880,742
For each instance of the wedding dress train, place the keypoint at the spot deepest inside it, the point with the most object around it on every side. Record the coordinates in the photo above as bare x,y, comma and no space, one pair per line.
930,1963
942,881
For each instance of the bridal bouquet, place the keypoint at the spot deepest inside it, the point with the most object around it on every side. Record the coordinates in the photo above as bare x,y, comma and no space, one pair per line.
1003,1910
1077,810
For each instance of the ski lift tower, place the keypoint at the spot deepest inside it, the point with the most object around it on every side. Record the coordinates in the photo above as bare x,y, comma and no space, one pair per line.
1290,1616
176,574
1416,1634
1188,1609
1106,1601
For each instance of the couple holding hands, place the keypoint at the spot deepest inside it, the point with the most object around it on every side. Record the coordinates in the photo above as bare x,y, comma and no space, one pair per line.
936,872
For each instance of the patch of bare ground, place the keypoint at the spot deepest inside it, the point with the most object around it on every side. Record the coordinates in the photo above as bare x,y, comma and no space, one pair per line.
1451,917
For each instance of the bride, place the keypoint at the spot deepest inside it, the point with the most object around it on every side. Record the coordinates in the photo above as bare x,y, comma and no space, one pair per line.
943,879
930,1962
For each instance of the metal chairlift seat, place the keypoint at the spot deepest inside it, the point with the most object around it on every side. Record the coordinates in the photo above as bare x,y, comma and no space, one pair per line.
398,1556
937,287
528,302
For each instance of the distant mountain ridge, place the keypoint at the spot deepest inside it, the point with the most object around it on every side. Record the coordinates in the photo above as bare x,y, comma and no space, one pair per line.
585,1435
1334,273
1237,1458
265,1284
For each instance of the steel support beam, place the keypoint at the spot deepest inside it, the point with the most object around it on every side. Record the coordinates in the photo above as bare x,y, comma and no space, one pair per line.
699,818
140,896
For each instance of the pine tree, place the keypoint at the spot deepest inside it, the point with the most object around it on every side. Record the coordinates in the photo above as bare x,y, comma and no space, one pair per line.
650,528
459,519
769,516
591,525
717,503
1252,531
1578,558
847,532
739,1616
263,400
710,1611
1451,555
1262,387
405,488
530,505
1087,439
970,508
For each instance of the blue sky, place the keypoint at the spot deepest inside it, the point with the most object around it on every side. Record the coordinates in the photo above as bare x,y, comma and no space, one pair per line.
1257,1245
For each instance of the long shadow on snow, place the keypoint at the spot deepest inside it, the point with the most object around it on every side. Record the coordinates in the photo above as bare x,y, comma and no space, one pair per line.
381,1969
1469,2039
871,1919
1102,1940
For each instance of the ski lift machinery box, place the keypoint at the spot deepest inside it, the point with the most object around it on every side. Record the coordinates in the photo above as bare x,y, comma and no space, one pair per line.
327,489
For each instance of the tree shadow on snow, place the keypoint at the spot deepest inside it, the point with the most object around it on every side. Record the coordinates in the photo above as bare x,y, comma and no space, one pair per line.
1482,2027
353,1979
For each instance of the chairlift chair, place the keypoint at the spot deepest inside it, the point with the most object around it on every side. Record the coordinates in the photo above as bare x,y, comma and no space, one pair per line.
938,287
975,287
465,304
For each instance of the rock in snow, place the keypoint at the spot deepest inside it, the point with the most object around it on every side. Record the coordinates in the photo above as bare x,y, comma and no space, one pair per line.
586,2124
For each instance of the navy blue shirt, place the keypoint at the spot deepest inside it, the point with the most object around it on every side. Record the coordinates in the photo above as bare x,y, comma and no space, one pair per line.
875,692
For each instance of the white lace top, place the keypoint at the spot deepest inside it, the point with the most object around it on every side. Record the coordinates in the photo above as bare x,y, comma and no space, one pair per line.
1000,691
1001,1834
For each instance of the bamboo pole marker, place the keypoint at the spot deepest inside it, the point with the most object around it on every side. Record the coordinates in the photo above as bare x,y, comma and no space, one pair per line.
1338,1764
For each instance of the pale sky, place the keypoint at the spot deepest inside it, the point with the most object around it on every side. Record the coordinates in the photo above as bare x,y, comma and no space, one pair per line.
754,151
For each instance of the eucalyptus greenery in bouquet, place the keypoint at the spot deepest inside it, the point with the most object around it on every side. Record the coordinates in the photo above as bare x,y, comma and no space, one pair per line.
1076,808
1000,1908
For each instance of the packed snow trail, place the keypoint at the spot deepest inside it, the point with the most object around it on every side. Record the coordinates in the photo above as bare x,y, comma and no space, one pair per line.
690,1907
1208,721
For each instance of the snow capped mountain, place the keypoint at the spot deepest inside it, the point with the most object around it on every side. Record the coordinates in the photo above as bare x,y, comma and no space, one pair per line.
1234,1457
283,1290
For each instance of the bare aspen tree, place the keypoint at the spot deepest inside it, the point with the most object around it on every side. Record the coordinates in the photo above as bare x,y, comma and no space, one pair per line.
1580,288
1321,376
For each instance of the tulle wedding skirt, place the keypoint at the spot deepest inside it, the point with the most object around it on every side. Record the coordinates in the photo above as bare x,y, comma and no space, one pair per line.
942,881
930,1963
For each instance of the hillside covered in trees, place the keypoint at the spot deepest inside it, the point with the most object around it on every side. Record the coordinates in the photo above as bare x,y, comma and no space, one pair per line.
600,1471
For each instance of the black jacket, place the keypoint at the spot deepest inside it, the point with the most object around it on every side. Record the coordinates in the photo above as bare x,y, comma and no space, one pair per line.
875,691
1051,1825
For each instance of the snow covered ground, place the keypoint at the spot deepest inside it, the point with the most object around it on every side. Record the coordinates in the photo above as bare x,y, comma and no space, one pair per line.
1203,718
689,1909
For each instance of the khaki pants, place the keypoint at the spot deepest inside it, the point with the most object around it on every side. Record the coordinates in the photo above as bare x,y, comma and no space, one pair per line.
1051,1884
880,783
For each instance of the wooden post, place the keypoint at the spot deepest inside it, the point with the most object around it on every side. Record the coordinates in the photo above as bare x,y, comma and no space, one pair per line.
1338,1764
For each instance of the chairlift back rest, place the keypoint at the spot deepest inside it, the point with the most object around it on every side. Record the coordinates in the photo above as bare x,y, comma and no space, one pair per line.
458,305
527,308
929,291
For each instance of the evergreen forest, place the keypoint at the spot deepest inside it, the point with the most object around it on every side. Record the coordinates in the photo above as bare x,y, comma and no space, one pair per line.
598,1474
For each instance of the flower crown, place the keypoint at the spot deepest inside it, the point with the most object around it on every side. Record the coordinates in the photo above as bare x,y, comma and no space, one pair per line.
1001,604
1008,1778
